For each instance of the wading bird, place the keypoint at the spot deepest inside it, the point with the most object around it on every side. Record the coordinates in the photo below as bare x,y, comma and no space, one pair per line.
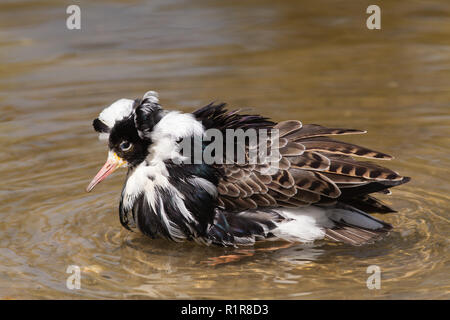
320,188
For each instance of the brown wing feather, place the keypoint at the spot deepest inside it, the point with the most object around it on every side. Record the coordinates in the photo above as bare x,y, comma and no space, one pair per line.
367,170
313,169
338,147
314,130
310,160
288,127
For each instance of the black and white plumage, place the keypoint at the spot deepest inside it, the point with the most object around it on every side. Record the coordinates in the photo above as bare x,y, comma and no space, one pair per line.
319,189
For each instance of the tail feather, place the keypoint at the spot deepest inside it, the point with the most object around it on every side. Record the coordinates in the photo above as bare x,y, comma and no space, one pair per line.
369,204
353,235
353,226
351,216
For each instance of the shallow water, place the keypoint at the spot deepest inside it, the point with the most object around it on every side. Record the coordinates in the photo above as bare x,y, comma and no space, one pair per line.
309,60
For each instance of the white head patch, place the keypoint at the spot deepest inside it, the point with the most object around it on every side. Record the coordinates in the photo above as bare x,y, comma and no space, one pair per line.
117,111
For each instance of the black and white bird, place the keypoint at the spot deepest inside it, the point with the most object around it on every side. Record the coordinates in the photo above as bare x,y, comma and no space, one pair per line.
321,188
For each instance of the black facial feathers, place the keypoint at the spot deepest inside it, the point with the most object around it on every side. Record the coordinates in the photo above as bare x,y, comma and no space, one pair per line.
125,131
100,127
147,115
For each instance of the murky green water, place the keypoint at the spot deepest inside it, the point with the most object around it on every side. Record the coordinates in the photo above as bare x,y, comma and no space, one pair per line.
309,60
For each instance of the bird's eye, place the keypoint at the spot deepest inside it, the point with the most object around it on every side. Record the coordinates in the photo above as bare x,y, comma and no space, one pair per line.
125,146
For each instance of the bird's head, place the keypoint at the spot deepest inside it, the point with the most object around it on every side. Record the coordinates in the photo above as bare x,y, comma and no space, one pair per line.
126,125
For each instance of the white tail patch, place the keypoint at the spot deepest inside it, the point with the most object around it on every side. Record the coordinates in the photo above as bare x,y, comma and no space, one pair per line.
303,225
309,224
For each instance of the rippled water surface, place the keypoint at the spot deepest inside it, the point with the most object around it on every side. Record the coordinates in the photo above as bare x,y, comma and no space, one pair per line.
309,60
